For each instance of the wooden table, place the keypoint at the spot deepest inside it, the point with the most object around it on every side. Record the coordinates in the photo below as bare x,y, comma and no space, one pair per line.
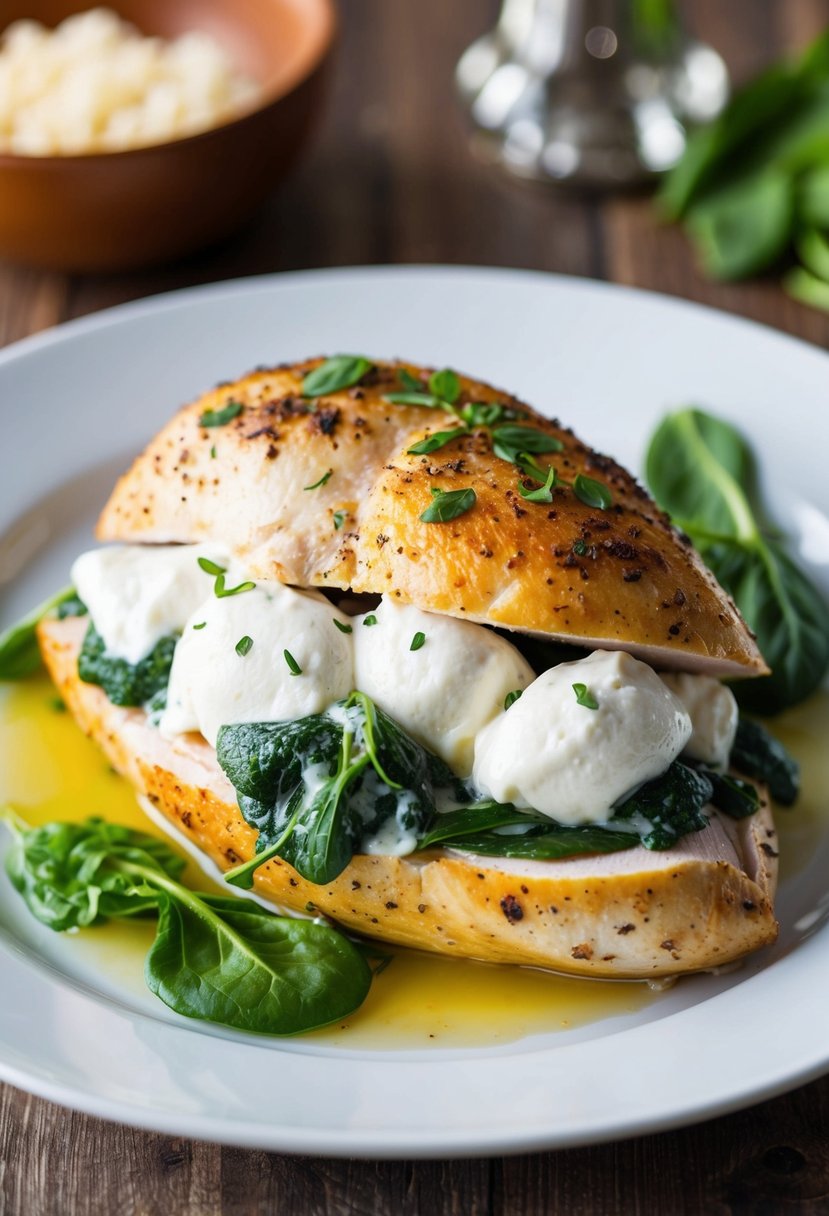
390,179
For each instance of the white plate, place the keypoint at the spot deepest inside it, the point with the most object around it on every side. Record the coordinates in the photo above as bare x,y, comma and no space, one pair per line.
77,402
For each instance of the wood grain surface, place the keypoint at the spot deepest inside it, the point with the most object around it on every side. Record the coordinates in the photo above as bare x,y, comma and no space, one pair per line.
390,179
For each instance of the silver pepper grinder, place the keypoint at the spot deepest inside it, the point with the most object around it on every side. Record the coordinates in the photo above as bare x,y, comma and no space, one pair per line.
597,94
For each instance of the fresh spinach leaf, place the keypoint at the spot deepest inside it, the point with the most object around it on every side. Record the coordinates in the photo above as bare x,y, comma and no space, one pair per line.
701,471
758,754
341,371
65,872
126,683
19,651
745,226
216,959
232,962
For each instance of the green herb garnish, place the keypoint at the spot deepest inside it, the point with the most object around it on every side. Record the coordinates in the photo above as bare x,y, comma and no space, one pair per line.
510,442
542,493
342,628
448,505
585,697
512,697
244,646
222,592
371,619
321,481
221,417
200,625
210,567
341,371
418,641
433,442
293,666
339,519
592,493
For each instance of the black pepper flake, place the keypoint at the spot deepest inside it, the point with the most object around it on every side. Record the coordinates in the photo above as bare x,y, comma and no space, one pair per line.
623,929
675,629
631,576
391,905
512,909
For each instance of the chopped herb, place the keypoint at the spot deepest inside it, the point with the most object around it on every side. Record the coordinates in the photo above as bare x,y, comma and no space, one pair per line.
445,385
512,697
592,493
427,401
411,384
57,704
542,493
321,481
433,442
222,592
484,413
210,567
585,697
213,452
510,442
371,619
580,548
243,646
293,666
342,371
342,628
418,641
448,505
223,416
200,625
339,519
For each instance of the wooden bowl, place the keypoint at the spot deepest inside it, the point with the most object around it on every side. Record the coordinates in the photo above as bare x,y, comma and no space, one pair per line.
119,210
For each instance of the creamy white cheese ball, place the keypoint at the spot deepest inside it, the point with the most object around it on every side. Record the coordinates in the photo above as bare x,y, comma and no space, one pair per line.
138,594
213,685
713,711
570,762
446,690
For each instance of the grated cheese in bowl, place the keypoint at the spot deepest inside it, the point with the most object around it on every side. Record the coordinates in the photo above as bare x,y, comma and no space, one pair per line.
96,84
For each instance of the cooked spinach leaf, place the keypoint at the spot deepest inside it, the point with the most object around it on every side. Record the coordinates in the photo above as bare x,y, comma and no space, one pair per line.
126,683
758,754
668,807
315,787
214,958
732,795
19,652
701,471
657,815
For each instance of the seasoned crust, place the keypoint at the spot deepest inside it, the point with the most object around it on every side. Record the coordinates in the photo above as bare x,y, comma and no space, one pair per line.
616,578
628,915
